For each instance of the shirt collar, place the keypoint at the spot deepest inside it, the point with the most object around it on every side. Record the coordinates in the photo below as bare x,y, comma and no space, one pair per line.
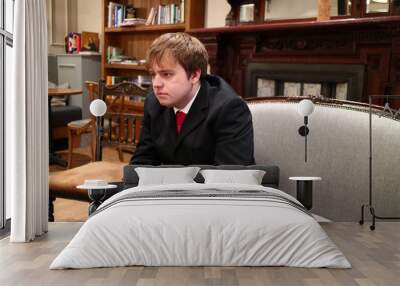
187,107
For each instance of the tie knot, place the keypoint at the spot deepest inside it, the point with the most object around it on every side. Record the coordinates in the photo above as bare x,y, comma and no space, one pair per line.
179,117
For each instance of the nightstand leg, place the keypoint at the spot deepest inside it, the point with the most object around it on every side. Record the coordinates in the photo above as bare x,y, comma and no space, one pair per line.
93,207
96,195
304,193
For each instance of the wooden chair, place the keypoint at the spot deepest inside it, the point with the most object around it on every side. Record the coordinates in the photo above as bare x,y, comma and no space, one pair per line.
79,127
124,106
128,115
85,126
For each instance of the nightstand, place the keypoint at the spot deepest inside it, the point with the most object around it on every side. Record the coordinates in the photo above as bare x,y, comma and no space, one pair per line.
304,189
97,194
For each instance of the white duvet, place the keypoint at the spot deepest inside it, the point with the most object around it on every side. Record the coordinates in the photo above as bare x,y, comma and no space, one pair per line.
183,231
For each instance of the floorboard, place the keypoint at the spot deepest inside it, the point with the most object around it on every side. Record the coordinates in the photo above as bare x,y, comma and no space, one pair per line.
375,257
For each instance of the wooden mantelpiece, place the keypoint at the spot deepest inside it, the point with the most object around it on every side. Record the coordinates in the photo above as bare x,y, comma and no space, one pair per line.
300,24
371,42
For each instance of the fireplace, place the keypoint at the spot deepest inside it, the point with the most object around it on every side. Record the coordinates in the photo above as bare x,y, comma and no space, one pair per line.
343,82
345,58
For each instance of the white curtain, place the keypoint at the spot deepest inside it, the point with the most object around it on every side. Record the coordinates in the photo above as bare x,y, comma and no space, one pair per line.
27,144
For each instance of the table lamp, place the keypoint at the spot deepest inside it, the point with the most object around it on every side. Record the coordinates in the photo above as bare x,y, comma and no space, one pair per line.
305,108
98,108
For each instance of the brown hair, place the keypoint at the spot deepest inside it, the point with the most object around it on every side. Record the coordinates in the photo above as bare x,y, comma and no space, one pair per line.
188,51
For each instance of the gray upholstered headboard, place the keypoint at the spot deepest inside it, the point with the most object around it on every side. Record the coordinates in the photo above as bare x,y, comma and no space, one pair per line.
270,179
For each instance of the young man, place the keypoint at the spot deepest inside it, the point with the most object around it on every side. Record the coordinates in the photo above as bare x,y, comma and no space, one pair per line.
191,117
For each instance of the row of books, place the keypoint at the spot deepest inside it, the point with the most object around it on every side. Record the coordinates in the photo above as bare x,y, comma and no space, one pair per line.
126,60
115,56
167,14
140,80
132,22
120,15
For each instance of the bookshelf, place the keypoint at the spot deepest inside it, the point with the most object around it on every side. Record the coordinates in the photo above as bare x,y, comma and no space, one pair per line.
133,41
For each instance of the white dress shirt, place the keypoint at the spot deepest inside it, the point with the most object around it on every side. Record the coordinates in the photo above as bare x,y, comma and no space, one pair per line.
187,107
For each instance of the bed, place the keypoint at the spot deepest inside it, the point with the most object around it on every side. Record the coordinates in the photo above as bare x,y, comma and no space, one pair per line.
214,217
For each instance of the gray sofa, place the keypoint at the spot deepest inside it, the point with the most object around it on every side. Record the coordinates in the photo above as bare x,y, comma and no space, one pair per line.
338,151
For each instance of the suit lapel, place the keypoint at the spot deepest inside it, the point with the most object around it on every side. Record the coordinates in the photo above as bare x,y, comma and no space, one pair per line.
169,119
196,115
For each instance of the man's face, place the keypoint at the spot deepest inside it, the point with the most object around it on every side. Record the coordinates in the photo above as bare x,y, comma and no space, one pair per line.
171,85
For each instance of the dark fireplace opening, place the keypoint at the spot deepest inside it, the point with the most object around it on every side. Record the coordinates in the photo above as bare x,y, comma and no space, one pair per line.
343,82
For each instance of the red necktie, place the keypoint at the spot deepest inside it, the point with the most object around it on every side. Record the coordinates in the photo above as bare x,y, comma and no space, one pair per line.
179,117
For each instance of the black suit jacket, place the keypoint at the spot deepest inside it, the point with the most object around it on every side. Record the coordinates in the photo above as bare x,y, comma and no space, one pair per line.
217,130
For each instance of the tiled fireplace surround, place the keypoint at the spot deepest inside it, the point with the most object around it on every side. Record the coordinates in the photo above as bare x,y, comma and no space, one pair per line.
327,80
364,53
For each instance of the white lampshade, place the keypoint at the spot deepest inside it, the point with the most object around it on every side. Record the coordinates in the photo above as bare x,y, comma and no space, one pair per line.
306,107
98,107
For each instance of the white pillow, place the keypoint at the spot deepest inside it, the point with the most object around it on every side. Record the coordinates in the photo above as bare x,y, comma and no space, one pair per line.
248,177
166,176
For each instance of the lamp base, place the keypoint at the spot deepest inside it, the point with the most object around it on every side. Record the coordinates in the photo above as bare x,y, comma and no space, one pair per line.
374,216
303,130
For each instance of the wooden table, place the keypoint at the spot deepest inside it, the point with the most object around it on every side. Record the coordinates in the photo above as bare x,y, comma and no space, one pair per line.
64,91
57,92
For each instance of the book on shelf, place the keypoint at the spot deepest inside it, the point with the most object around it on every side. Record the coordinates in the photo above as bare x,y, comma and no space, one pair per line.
122,59
116,14
132,22
120,15
130,62
126,60
111,12
151,16
182,11
113,52
154,18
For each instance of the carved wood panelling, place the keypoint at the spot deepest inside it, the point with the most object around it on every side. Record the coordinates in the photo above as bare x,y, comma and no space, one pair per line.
396,64
305,44
373,62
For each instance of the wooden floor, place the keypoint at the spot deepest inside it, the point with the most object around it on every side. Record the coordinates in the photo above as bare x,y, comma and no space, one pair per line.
70,210
375,256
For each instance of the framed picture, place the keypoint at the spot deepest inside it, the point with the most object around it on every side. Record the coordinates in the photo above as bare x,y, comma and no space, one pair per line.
90,42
